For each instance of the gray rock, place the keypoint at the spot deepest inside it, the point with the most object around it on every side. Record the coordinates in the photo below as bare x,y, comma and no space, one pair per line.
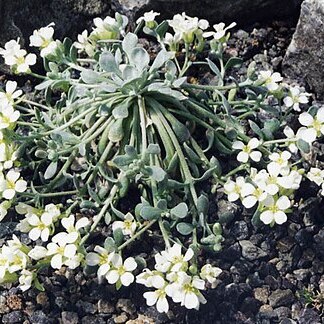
281,298
309,316
250,251
126,305
283,312
69,318
38,317
240,230
304,60
262,294
105,307
13,317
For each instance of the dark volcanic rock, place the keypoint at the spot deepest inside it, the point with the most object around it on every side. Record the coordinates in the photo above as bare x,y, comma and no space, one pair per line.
281,298
250,251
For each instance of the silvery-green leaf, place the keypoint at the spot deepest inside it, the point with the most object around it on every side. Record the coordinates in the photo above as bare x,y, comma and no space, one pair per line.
131,151
215,69
51,170
44,85
153,149
118,236
179,82
91,77
108,63
303,146
157,173
160,59
110,244
185,228
130,73
140,58
121,110
233,62
116,132
129,43
180,211
150,213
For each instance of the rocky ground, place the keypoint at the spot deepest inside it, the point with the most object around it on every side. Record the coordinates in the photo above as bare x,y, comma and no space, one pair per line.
266,271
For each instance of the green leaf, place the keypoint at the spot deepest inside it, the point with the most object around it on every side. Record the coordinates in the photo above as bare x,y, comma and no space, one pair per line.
303,146
180,211
110,244
140,58
256,129
38,285
162,28
202,205
50,171
118,236
233,62
150,213
215,69
185,228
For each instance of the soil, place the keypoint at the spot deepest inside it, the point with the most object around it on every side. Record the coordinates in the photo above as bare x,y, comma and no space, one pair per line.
266,271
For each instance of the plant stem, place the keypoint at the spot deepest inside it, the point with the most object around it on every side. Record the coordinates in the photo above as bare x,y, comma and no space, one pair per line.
142,113
137,234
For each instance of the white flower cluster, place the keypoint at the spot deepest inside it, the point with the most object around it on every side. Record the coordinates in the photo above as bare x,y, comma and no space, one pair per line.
38,223
43,39
63,248
171,279
112,267
15,258
270,188
316,175
105,29
17,58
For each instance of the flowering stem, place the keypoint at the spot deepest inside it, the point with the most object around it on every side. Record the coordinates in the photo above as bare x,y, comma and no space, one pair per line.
35,104
213,88
142,113
37,75
281,140
164,233
234,171
137,234
51,194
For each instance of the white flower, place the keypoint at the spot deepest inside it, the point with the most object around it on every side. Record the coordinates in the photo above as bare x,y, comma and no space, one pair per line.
37,252
61,250
210,273
11,184
109,28
8,116
291,180
84,44
172,259
314,125
121,271
16,57
270,80
4,206
148,17
39,226
316,175
237,189
268,181
158,297
295,98
172,40
257,195
291,135
187,26
247,150
73,229
128,226
8,97
188,291
279,161
150,278
102,258
220,31
43,38
26,279
275,210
